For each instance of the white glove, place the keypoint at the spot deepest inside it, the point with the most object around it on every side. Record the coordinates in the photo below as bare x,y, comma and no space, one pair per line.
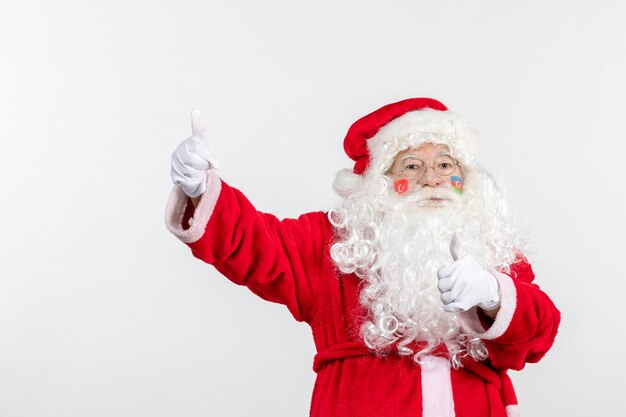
192,158
464,284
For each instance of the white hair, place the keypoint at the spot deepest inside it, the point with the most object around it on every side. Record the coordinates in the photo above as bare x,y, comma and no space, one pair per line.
396,247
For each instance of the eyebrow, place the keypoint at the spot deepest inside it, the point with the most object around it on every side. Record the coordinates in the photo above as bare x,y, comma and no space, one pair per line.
442,153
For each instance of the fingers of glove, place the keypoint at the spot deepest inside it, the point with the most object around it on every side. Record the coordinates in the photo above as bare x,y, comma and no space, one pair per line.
447,297
185,173
195,154
454,294
201,149
189,158
446,270
192,186
189,185
179,169
445,284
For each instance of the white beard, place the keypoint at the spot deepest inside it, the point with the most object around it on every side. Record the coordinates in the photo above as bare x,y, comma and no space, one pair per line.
396,244
401,291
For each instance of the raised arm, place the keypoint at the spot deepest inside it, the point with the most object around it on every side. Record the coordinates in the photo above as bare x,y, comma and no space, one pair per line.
279,260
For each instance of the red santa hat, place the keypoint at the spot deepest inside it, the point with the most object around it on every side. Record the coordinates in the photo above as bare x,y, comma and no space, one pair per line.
374,140
407,123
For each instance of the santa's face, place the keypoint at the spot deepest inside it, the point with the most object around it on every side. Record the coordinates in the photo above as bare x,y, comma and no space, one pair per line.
428,174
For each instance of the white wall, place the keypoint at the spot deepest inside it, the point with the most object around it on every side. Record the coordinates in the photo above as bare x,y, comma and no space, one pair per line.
104,313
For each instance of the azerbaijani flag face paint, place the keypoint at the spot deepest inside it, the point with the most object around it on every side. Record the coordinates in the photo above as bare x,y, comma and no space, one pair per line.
457,184
401,186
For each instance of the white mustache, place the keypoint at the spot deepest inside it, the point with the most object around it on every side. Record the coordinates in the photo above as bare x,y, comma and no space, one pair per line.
427,193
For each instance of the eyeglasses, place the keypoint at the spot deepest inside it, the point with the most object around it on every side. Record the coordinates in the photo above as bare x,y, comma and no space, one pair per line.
413,168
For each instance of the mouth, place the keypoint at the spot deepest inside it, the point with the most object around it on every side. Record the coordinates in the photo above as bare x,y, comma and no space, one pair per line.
435,202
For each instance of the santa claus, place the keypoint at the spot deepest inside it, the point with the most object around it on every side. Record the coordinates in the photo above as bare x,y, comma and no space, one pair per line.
415,286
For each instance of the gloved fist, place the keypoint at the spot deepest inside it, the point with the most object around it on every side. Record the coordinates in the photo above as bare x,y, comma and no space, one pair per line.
192,158
464,284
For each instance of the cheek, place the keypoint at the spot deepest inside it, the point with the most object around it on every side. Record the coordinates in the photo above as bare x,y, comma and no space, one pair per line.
401,185
457,183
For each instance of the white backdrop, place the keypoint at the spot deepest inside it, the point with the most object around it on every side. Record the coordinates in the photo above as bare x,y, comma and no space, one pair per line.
104,313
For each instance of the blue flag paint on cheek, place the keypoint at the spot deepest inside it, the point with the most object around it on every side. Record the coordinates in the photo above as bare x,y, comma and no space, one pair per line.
457,184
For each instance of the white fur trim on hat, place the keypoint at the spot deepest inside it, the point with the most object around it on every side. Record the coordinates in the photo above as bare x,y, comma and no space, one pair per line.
415,128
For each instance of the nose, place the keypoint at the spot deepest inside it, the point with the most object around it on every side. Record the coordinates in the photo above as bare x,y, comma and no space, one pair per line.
430,178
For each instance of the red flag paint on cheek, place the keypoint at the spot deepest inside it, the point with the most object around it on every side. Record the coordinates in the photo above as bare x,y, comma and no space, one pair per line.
401,186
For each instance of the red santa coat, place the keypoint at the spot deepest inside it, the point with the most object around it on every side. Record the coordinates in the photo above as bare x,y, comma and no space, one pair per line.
288,262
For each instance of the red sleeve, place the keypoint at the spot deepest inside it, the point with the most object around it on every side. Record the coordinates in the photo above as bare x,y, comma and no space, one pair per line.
526,325
277,260
533,328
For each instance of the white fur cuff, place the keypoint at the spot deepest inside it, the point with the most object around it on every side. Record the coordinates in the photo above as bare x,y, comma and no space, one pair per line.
176,210
512,410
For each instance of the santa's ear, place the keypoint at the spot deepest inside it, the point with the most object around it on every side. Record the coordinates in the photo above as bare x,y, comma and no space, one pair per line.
347,182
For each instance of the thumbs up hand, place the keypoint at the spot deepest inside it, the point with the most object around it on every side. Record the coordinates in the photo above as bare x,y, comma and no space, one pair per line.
464,284
192,159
